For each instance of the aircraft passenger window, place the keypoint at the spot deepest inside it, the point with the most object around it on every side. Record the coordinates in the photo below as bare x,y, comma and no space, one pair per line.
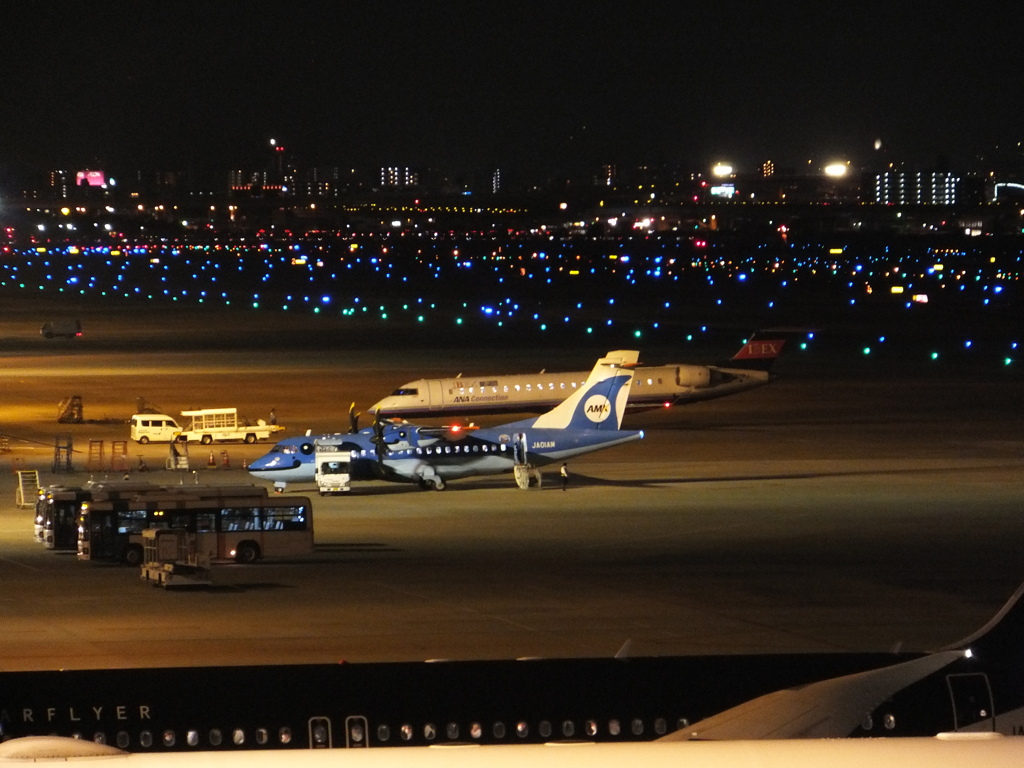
889,722
452,731
529,387
590,728
551,385
562,385
406,733
476,731
867,723
122,740
238,736
498,729
660,726
100,738
517,387
285,735
637,726
505,388
568,729
544,729
429,731
356,732
650,381
614,727
169,738
262,737
682,722
522,729
383,733
146,739
319,734
192,738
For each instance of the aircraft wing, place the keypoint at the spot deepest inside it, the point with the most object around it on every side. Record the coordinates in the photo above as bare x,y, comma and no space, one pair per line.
828,709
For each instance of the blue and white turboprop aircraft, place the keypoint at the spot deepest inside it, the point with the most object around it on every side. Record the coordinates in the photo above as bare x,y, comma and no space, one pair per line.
588,420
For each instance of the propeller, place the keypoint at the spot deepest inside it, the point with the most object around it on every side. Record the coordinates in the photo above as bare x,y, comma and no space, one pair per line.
353,419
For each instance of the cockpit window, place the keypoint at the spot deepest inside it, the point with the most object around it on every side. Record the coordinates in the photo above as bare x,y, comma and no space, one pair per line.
403,392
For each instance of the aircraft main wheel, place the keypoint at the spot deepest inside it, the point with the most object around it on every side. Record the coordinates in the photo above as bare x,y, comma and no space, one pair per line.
206,439
250,438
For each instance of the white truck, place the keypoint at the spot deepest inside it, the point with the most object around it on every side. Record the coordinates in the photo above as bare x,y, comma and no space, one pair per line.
332,468
204,426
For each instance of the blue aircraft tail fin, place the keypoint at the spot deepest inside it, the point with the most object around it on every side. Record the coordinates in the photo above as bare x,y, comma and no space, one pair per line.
600,403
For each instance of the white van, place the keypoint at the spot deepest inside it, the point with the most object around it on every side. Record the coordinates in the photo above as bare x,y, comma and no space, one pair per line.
155,427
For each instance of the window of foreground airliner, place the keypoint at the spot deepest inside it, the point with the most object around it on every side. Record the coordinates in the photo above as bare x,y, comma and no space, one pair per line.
544,729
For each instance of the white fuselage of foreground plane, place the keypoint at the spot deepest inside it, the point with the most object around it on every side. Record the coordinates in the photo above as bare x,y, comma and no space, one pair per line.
954,751
652,387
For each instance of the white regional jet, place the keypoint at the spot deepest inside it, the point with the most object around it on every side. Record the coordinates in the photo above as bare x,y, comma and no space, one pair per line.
653,386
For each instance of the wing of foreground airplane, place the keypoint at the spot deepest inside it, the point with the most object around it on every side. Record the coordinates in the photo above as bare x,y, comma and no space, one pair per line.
828,709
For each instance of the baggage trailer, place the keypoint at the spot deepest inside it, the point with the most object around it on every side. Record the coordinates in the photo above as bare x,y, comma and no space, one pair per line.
171,559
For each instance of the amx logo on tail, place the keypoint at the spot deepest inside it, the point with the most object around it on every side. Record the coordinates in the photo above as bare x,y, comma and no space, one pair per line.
597,408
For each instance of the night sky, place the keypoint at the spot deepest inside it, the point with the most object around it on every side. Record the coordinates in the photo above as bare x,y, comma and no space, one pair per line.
523,85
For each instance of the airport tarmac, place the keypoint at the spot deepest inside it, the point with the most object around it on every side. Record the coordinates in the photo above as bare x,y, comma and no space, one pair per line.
840,508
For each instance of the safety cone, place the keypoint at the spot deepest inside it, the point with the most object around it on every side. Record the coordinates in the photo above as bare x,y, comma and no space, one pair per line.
225,462
212,463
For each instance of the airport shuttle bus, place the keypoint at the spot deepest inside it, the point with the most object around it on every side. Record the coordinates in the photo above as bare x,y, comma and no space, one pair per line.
240,528
58,507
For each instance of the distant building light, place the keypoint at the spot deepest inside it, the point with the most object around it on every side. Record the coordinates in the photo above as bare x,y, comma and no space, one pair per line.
722,170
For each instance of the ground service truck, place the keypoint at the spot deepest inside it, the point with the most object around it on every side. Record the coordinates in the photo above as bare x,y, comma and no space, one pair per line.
203,426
